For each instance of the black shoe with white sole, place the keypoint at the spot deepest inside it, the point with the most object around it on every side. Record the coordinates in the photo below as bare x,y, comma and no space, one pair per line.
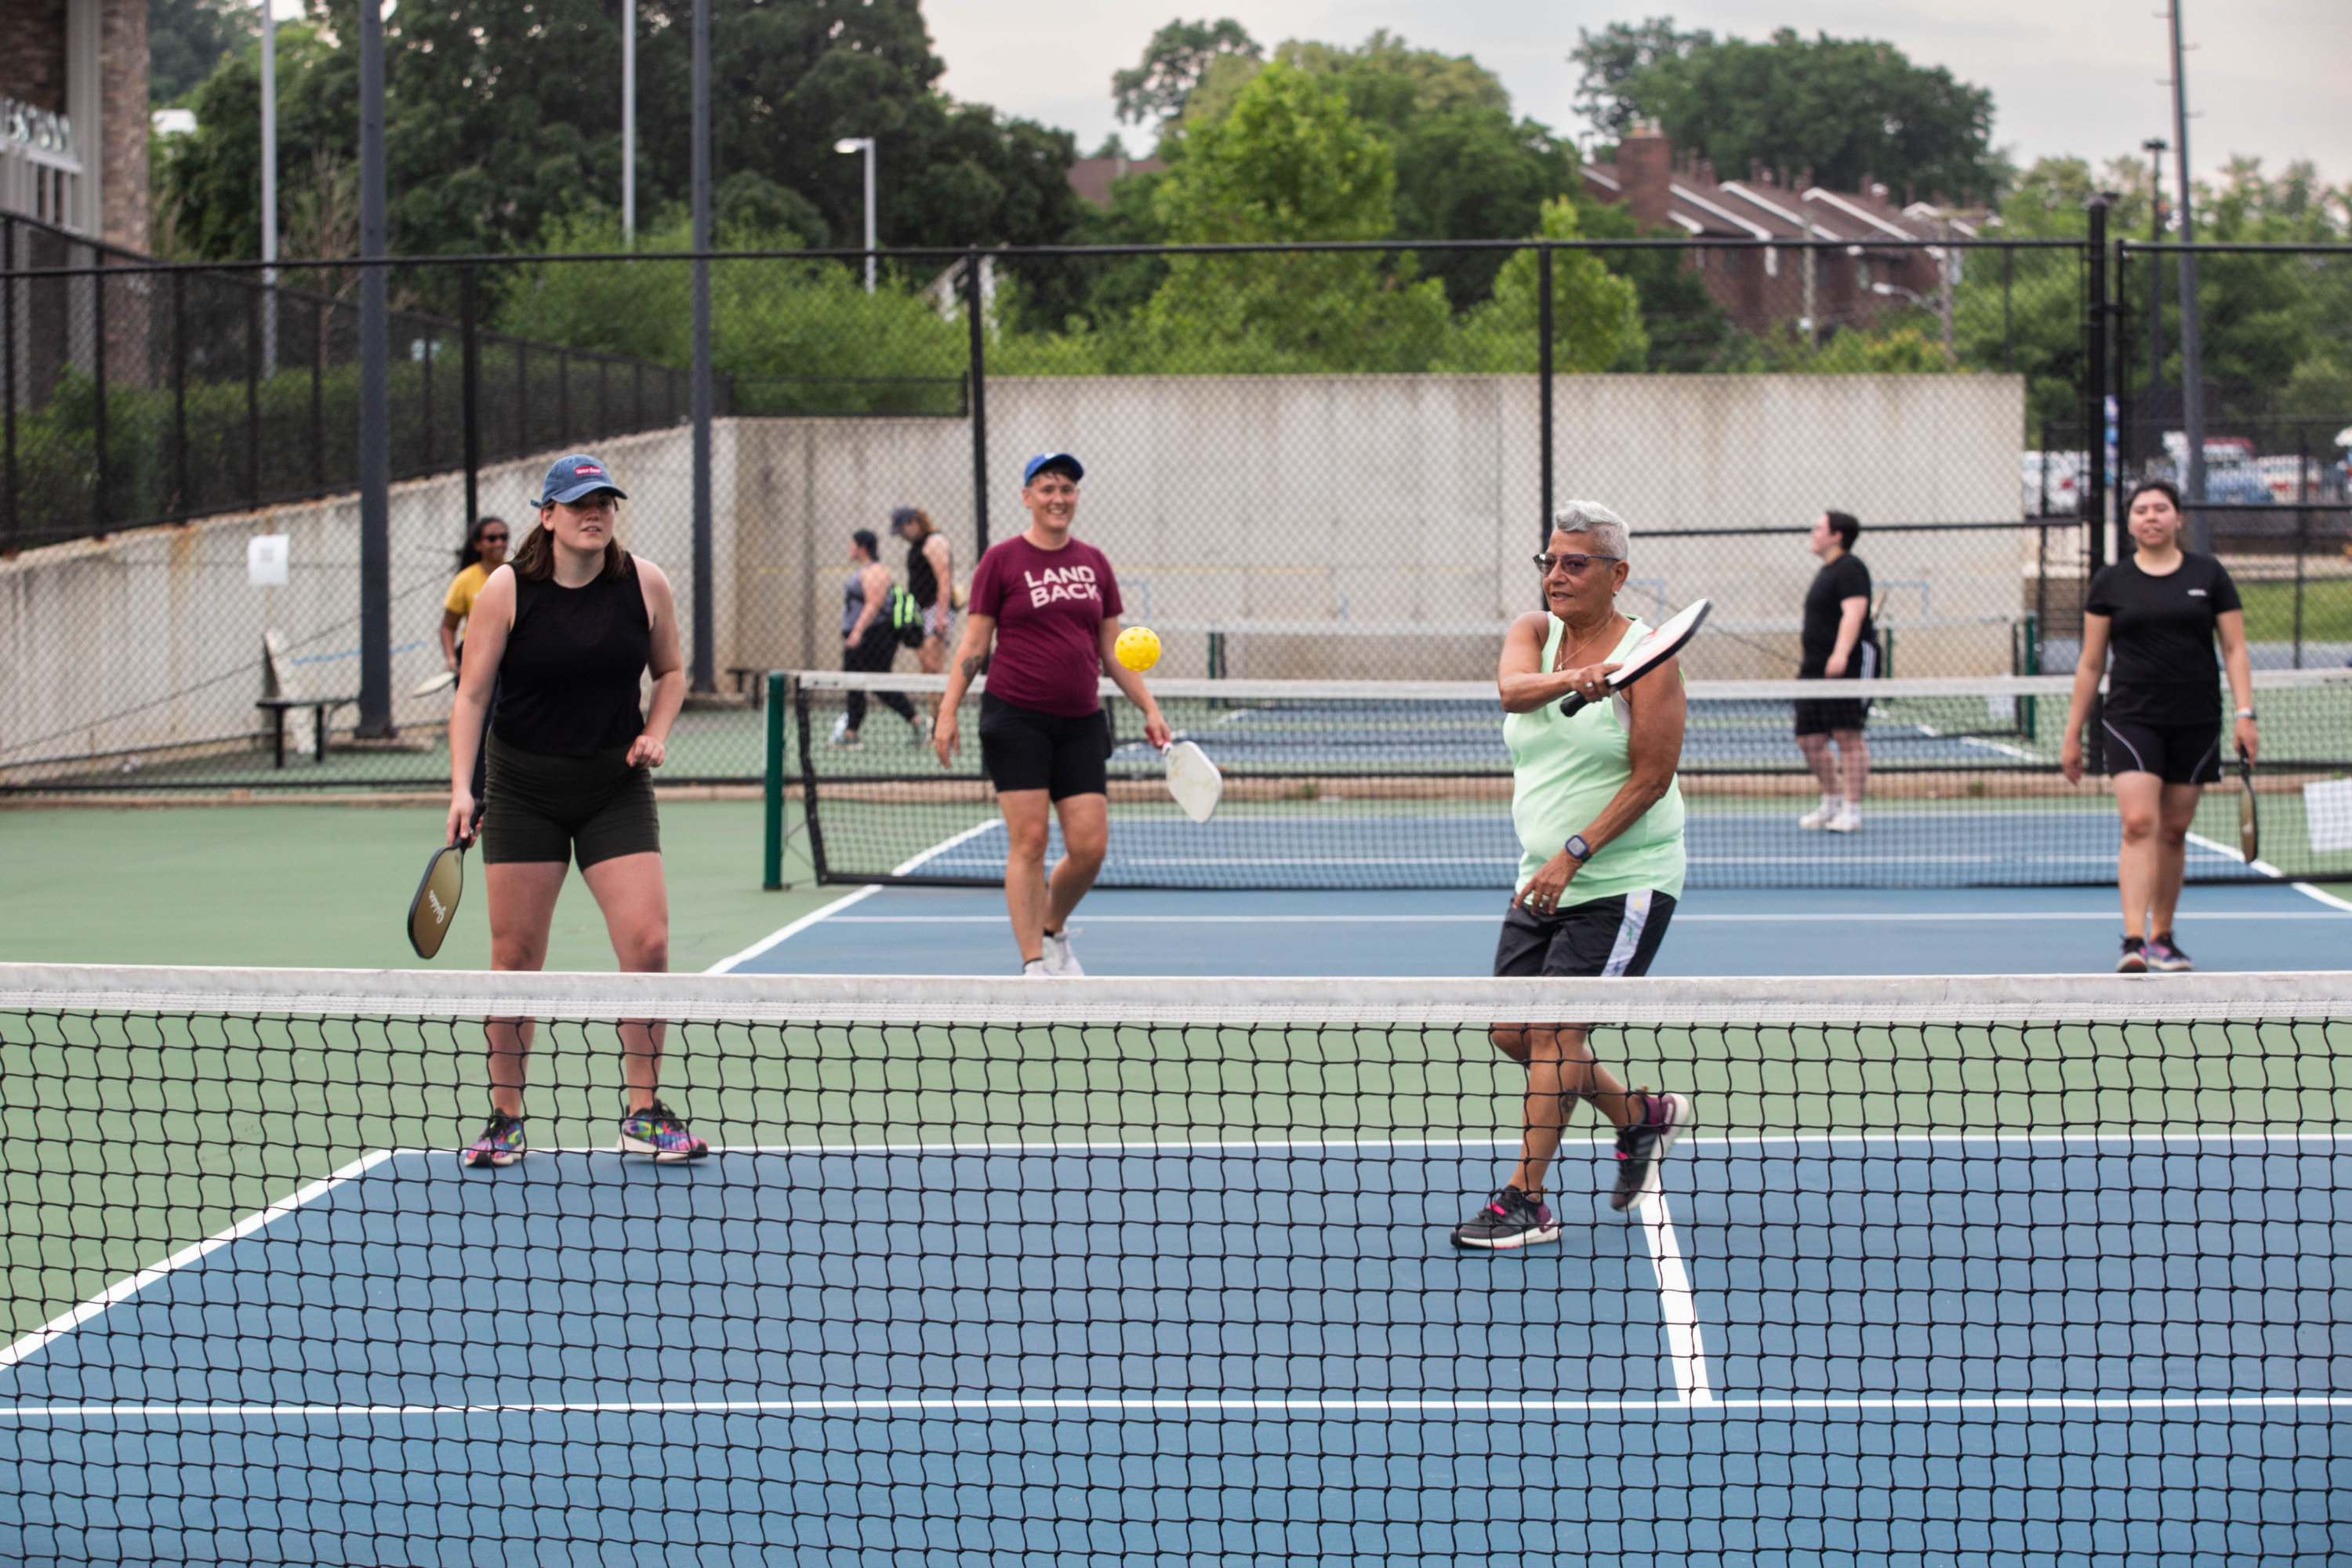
1640,1146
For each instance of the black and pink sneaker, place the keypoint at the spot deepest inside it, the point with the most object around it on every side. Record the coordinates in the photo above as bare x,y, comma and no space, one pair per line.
1640,1146
500,1146
1513,1219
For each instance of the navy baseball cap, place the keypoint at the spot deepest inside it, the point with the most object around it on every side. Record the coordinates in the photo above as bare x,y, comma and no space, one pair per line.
1055,460
574,477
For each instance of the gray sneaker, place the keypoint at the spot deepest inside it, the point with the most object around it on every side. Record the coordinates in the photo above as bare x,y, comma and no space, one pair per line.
1640,1146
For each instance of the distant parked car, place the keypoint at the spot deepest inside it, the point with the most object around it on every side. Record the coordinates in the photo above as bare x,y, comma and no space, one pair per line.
2051,483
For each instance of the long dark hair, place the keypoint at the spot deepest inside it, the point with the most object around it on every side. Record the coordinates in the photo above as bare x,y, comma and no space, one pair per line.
470,552
534,559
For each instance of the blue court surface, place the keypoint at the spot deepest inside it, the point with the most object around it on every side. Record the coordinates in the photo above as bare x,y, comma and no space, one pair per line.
1962,931
1802,1349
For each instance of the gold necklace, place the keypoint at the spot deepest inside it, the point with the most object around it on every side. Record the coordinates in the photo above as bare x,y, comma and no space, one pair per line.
1567,659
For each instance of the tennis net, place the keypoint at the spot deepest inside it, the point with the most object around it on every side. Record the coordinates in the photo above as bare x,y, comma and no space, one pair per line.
2017,1271
1403,785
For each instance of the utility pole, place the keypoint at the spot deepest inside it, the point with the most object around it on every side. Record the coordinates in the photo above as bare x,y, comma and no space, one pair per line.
2192,353
629,122
1812,320
269,186
2155,147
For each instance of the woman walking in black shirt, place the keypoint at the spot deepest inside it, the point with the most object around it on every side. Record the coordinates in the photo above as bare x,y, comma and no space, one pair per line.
2159,611
573,624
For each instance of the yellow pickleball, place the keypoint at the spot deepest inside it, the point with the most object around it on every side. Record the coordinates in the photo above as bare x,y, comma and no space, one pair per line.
1138,649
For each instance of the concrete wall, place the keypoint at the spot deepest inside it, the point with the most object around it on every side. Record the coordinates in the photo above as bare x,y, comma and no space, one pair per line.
1385,521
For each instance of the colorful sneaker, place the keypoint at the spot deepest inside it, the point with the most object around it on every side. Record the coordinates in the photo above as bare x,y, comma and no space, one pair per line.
1513,1219
1060,960
2135,958
1821,815
2164,955
1640,1146
500,1144
657,1130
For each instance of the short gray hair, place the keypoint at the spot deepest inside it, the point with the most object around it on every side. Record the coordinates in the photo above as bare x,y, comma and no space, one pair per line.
1590,517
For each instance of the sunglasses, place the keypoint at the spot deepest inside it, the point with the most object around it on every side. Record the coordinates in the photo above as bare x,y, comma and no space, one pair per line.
494,539
1578,565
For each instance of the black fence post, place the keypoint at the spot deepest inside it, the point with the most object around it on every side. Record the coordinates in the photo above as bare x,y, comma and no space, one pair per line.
1543,381
179,394
319,395
253,396
2008,280
979,374
98,379
469,391
8,381
2094,487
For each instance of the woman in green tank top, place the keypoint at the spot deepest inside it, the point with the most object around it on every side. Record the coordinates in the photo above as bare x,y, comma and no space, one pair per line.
1600,827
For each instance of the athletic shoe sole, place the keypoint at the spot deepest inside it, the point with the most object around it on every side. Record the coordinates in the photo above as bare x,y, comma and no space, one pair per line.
2131,963
627,1146
1508,1243
491,1162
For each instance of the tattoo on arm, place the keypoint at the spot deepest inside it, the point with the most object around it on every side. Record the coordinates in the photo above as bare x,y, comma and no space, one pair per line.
971,666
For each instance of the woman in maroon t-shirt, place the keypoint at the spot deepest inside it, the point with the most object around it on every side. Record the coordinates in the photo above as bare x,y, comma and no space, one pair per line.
1051,606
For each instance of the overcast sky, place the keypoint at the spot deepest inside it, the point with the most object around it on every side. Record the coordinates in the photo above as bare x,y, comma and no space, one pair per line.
2267,78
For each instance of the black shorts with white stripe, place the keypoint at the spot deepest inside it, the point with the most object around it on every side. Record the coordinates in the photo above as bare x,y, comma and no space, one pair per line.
1602,938
2176,753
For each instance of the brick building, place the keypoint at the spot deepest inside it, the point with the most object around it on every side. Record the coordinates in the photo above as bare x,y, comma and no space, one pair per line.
1863,277
73,116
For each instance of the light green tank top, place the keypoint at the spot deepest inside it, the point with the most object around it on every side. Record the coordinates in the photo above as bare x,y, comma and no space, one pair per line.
1566,771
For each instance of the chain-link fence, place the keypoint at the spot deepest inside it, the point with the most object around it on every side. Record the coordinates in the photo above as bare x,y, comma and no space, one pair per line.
1311,462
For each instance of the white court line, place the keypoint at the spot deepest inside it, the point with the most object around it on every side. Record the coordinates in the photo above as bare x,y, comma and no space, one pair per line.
58,1327
1872,917
1685,1351
1142,1405
727,965
2267,870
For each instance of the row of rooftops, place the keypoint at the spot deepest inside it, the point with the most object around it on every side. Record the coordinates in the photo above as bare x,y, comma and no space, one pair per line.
1666,192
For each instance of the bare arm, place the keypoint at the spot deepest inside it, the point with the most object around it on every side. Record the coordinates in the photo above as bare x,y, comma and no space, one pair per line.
667,666
1522,681
979,631
937,551
486,638
1848,632
2088,671
872,573
1155,728
1654,750
2240,669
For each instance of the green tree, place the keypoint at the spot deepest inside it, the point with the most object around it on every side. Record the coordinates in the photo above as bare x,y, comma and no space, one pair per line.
1173,63
1611,58
186,40
1289,162
1596,315
1851,110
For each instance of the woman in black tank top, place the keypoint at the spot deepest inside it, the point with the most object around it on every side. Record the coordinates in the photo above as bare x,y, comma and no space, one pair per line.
568,629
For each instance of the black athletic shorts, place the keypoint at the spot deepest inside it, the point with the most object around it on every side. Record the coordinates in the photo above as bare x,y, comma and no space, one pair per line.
2176,753
1606,937
1826,716
553,808
1024,749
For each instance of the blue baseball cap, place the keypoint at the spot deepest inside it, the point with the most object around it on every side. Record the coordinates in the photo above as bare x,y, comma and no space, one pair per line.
574,477
1051,459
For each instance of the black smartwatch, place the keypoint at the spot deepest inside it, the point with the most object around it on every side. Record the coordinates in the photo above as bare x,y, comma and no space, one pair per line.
1577,850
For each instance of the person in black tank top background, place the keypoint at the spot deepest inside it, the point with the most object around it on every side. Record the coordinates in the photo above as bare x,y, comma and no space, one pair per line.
2159,611
568,629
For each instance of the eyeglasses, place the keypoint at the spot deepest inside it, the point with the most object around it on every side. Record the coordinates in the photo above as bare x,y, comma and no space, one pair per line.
494,539
1578,565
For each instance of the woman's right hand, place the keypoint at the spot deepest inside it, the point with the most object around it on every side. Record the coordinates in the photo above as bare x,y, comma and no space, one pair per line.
460,826
944,734
2070,758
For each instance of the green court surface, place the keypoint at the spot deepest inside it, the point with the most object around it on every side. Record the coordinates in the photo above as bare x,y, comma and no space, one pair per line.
327,887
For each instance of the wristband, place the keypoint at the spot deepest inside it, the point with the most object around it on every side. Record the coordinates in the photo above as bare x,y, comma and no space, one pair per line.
1577,850
2245,712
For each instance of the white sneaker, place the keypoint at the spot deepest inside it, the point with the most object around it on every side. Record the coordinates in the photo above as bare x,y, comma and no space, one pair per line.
1060,961
1822,815
844,738
1847,820
1032,969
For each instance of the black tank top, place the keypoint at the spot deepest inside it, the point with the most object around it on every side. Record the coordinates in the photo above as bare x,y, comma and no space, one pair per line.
923,582
568,684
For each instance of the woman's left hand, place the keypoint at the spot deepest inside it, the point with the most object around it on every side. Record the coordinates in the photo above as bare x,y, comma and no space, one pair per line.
1156,730
1543,892
1590,682
2246,738
647,752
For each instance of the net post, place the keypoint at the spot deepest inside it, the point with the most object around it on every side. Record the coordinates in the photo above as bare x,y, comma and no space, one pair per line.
470,389
771,862
808,785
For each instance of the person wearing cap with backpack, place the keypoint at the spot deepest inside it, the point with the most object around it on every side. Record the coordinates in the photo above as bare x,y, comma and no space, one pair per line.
1043,621
568,628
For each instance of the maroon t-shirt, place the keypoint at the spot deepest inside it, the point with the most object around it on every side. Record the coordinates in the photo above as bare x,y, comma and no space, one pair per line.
1049,605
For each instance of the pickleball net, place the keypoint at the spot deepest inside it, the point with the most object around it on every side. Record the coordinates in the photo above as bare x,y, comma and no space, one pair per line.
2030,1270
1380,784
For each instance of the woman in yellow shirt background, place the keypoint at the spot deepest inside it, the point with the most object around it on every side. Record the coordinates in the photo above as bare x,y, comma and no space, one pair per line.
484,551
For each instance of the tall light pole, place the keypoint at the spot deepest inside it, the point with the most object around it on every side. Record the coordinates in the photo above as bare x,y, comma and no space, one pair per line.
629,121
864,144
269,186
2155,147
376,396
2192,352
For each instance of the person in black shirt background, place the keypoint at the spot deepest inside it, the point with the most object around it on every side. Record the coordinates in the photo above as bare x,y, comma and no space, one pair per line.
2159,611
1838,643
